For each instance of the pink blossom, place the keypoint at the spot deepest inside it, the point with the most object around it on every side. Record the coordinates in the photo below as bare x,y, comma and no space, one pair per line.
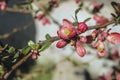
82,27
117,76
99,45
79,49
115,54
2,5
34,54
77,1
61,44
45,21
66,31
114,38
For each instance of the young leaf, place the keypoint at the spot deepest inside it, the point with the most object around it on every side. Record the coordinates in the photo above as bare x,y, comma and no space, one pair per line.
47,36
45,46
11,50
86,20
76,12
30,43
1,69
26,50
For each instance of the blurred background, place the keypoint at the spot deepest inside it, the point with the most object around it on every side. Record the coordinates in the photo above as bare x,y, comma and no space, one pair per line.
54,63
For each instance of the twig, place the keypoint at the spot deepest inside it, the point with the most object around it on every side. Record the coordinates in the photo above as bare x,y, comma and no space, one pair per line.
51,40
6,35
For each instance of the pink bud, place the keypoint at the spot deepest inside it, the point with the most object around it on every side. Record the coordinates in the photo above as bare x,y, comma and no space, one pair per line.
45,21
40,16
61,44
82,27
34,54
114,38
79,49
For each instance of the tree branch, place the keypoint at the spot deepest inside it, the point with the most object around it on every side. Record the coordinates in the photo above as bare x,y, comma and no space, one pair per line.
50,40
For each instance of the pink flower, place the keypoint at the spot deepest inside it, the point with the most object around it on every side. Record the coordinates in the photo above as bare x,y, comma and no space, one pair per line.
114,38
117,76
43,18
66,31
2,5
115,54
100,19
61,44
82,27
79,49
77,1
99,45
45,21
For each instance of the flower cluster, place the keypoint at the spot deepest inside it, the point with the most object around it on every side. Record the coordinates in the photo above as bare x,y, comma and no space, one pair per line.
69,34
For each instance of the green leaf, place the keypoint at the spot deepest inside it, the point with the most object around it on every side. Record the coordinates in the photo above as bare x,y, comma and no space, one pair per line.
86,20
26,50
30,43
16,55
1,69
47,36
2,48
115,6
5,58
76,12
45,46
11,50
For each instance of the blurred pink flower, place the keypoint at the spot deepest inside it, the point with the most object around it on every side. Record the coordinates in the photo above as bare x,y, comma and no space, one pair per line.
2,5
100,19
77,1
79,49
66,31
114,38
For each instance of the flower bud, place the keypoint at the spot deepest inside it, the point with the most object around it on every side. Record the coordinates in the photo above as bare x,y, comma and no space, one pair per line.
79,49
82,27
61,44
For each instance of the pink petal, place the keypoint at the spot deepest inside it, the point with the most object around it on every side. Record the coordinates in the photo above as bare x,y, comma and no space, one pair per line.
67,24
114,38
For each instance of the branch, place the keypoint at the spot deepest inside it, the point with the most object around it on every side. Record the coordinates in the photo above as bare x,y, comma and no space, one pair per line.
6,35
50,40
